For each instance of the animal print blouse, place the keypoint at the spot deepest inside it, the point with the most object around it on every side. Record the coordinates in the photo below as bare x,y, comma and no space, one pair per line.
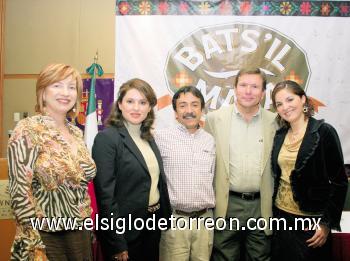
46,181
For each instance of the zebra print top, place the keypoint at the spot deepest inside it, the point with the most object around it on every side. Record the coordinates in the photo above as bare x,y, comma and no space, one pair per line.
46,180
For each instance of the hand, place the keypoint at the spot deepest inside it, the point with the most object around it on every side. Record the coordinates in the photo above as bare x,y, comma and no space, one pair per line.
122,256
319,238
39,254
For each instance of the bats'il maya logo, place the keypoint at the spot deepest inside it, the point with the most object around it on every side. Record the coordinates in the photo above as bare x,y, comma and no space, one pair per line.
210,58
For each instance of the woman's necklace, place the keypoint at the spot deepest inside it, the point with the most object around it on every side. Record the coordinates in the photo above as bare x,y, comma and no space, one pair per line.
294,136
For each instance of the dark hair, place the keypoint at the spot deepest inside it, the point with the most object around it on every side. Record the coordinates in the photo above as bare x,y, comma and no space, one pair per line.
116,118
297,90
252,71
188,89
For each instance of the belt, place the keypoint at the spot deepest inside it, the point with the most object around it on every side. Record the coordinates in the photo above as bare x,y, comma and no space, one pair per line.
246,195
191,214
153,208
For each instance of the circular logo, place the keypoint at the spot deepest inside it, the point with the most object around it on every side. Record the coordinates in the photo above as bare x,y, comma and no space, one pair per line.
210,58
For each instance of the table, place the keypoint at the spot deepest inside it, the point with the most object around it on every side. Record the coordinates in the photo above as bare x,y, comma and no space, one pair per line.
341,240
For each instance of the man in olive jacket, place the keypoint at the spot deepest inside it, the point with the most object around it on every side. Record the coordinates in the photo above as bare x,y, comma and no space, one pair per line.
244,134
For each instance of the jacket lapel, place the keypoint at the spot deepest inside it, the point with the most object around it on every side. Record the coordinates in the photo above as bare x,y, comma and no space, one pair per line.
268,131
156,152
130,144
308,144
277,144
224,127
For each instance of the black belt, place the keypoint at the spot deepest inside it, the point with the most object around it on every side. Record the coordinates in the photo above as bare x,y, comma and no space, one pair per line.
246,195
191,214
153,208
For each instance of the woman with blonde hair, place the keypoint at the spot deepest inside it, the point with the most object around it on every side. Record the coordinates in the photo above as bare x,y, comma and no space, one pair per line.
49,169
310,180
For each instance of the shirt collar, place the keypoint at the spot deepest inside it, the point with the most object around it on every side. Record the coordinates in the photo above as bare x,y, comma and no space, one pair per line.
133,129
235,109
182,128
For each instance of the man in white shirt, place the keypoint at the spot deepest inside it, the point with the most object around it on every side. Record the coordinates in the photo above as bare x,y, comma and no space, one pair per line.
188,154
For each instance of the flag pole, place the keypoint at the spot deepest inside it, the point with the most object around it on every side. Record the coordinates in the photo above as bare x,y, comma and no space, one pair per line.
91,128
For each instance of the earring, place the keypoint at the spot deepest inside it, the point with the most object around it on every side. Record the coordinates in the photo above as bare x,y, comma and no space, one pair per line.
74,109
44,111
305,109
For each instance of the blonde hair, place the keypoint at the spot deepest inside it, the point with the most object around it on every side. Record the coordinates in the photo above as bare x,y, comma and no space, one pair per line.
53,73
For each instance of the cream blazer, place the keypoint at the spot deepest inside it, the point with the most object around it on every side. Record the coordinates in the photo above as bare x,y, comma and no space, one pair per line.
218,123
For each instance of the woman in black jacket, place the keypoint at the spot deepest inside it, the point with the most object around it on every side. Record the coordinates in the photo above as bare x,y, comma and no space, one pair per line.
310,180
130,184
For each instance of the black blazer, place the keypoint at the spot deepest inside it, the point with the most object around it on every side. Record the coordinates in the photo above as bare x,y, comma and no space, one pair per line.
318,181
122,186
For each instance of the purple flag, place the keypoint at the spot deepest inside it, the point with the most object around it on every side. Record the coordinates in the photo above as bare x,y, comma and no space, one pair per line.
104,100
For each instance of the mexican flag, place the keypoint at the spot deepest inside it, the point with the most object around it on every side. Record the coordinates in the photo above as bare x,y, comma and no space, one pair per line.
91,116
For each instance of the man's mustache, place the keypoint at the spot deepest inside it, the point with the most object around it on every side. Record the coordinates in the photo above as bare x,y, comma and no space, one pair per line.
190,115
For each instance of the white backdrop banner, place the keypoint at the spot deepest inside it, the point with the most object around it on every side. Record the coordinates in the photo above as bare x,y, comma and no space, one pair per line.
207,50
